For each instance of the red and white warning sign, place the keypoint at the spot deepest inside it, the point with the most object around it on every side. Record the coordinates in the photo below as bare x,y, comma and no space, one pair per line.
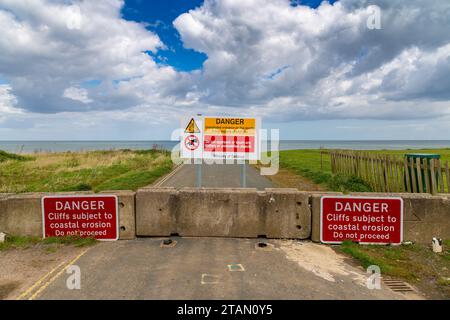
94,216
368,220
191,144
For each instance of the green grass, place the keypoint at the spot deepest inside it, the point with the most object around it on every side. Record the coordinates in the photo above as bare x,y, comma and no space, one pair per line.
21,242
83,171
387,259
310,164
5,156
415,263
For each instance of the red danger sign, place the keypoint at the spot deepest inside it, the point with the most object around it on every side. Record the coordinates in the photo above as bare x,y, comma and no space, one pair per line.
361,219
83,216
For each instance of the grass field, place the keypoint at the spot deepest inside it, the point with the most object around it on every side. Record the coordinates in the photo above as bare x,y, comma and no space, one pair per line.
82,171
311,165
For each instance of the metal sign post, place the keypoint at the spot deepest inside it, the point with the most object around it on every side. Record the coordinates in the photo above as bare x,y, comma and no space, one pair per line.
198,175
243,175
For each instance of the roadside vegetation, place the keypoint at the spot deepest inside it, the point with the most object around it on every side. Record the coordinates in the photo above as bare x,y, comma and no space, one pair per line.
315,167
50,244
82,171
414,263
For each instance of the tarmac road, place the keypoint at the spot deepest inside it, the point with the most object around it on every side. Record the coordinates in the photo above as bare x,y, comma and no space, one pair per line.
197,268
216,176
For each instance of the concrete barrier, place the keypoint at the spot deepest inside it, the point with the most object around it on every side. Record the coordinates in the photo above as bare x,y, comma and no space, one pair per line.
21,214
274,213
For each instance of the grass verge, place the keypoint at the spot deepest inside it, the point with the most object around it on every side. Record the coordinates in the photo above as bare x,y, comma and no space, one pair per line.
414,263
20,242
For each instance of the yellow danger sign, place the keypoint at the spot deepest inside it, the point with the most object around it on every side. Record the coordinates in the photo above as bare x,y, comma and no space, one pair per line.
192,127
231,126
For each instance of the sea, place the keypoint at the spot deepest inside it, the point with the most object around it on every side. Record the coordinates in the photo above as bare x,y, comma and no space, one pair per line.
27,147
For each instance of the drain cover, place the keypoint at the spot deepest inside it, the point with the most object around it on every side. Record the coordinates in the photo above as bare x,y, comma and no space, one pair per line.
398,285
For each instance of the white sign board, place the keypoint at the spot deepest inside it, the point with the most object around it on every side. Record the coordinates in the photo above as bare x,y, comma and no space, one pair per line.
221,138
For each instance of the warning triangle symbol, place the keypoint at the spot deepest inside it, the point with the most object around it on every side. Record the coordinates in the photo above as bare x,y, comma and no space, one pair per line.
192,127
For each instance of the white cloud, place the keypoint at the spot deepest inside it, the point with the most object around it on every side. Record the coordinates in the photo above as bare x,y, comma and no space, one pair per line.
323,63
8,101
265,57
45,51
77,94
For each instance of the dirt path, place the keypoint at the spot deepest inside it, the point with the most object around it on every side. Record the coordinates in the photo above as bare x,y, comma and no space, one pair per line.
286,178
21,268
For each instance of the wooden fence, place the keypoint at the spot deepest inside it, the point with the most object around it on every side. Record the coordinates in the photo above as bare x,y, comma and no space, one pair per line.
388,173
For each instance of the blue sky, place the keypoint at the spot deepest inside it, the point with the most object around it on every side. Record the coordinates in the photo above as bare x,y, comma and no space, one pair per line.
114,70
159,16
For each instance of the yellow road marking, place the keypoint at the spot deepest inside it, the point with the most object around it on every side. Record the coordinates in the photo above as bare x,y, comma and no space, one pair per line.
46,284
168,176
39,282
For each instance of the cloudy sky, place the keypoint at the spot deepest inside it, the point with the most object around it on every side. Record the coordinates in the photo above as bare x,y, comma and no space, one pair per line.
113,69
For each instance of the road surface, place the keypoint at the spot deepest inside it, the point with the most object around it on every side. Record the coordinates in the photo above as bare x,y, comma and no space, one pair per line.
216,176
198,268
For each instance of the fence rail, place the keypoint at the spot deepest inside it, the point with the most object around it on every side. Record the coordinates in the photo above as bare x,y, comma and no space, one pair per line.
389,173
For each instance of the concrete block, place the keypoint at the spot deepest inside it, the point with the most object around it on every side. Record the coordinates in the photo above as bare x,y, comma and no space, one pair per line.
127,213
21,215
155,209
218,213
275,213
286,214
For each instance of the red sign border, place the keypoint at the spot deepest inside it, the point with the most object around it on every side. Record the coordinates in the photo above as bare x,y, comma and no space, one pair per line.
84,196
362,197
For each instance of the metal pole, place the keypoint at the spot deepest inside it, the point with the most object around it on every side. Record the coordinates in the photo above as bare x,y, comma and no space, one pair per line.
243,176
198,175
